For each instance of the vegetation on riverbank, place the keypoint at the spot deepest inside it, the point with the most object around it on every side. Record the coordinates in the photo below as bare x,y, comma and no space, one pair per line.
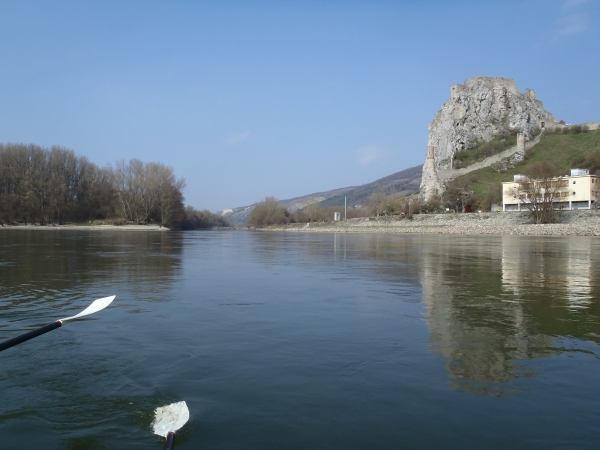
271,212
573,148
481,189
55,186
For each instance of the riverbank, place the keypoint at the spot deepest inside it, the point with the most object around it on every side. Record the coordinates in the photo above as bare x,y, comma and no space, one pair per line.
86,227
570,223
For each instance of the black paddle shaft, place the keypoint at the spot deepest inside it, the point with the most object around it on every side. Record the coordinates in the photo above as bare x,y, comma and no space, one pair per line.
170,444
25,337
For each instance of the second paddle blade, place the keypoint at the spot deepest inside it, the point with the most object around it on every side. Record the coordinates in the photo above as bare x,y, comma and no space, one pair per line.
170,418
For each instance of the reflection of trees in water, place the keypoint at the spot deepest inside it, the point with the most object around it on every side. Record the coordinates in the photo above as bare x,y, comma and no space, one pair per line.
45,266
492,302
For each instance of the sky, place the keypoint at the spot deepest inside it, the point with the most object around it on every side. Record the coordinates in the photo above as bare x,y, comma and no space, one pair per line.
248,99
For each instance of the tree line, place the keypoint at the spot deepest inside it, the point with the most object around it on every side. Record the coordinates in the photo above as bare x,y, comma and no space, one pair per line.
272,212
55,186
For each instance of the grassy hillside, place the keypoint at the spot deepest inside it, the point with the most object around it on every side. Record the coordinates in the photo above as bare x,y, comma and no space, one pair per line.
482,150
566,151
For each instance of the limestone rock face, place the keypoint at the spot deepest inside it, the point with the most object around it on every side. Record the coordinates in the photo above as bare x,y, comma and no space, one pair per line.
480,109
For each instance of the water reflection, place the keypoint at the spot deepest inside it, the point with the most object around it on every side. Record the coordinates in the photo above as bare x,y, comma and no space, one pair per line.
478,332
492,303
563,265
82,383
278,340
48,271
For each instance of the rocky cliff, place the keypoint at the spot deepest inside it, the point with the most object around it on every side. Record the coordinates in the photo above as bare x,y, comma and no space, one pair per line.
477,111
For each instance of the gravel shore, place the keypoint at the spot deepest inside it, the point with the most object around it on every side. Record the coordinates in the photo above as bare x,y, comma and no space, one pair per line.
570,223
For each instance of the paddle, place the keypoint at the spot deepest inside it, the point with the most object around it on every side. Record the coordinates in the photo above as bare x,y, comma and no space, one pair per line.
96,306
168,419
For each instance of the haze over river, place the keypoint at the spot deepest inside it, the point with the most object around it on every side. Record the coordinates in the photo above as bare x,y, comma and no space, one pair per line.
301,341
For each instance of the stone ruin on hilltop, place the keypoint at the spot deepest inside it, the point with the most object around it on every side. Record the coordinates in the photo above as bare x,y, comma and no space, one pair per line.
477,111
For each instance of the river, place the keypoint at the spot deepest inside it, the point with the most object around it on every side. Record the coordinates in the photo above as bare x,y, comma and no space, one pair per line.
298,341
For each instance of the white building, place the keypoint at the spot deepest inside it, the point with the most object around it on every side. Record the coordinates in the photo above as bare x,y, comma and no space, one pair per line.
578,191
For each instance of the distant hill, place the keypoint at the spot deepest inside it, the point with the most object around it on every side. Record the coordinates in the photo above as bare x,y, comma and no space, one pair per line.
399,184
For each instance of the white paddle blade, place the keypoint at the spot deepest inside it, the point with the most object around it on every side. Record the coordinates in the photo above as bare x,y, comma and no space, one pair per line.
96,306
170,418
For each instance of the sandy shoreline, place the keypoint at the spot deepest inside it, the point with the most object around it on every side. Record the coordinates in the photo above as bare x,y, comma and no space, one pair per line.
570,223
86,227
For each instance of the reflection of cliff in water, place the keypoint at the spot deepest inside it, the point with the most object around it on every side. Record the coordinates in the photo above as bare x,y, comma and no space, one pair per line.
494,303
44,266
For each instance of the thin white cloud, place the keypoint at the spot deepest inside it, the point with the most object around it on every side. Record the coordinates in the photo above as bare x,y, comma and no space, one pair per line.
572,24
236,138
573,3
367,155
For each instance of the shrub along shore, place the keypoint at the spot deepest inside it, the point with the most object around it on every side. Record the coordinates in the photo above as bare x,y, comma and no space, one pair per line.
569,223
86,227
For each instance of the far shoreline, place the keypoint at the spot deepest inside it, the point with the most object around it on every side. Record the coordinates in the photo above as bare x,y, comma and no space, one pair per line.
152,228
569,223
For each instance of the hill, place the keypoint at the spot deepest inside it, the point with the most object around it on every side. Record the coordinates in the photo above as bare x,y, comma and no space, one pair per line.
478,111
565,150
398,184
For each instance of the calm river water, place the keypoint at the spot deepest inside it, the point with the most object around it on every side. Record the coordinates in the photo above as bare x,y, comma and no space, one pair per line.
302,341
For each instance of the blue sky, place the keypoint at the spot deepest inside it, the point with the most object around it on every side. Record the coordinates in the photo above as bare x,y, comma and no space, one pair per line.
247,99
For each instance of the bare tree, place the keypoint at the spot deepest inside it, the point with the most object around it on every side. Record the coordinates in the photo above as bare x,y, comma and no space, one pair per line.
171,209
312,211
268,212
376,201
61,182
492,197
195,219
540,189
124,177
459,193
390,206
47,186
148,192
